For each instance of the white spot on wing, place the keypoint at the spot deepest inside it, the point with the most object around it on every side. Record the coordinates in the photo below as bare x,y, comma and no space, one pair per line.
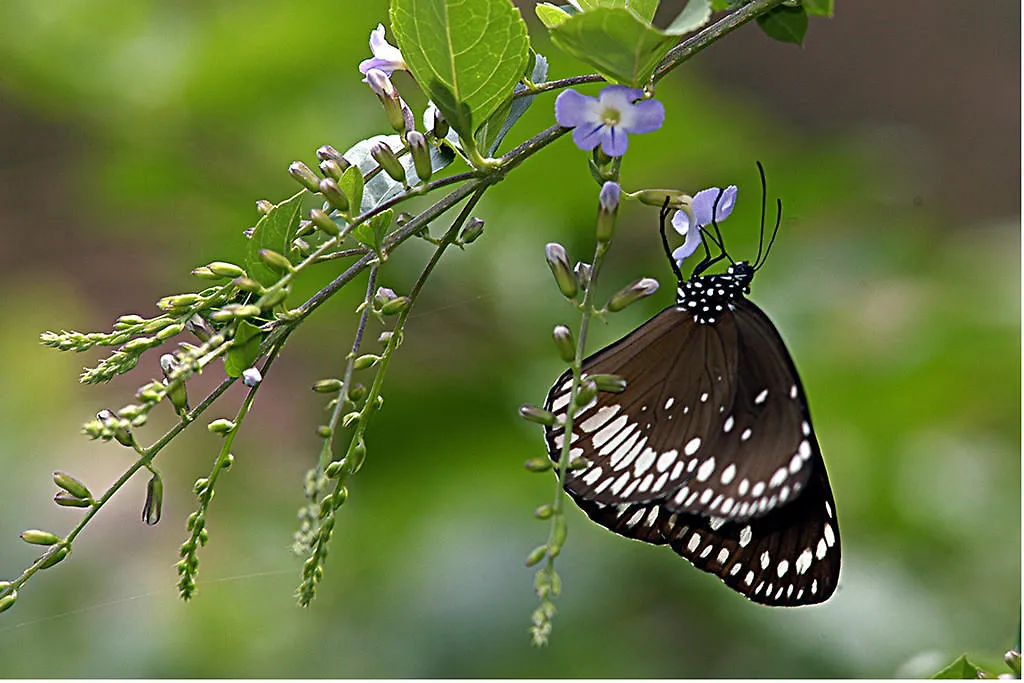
669,402
744,487
760,398
746,535
821,549
706,468
666,459
603,414
694,542
830,536
609,431
692,445
783,568
728,473
729,422
746,434
592,476
779,477
765,560
803,562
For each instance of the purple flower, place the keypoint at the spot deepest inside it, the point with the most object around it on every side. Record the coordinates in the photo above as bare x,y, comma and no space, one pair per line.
702,206
607,118
386,56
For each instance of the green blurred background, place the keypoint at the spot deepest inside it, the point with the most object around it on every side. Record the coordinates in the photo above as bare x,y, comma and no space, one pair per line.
135,137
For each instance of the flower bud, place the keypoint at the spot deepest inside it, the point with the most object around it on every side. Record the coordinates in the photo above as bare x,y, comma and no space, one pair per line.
327,152
587,392
640,289
383,155
536,555
532,413
558,536
305,176
578,463
305,228
365,361
613,383
251,377
383,295
71,485
154,500
333,194
204,273
420,151
197,326
396,306
54,556
558,261
1012,659
357,393
224,269
170,331
275,261
37,537
331,169
538,464
440,127
325,431
582,272
327,386
544,512
69,501
607,209
221,426
473,229
356,456
8,601
264,206
564,343
677,199
324,221
177,301
333,470
128,321
272,298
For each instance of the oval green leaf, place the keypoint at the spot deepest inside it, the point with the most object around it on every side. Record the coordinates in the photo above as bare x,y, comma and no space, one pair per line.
275,231
466,55
785,24
244,351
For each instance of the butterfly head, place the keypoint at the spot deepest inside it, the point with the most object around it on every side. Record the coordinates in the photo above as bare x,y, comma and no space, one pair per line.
709,297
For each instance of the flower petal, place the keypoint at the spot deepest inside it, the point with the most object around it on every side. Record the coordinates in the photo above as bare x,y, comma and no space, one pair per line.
703,204
386,57
681,222
645,116
726,203
619,97
588,135
573,109
614,141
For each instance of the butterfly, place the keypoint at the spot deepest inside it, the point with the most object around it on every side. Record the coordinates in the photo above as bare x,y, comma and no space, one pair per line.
710,448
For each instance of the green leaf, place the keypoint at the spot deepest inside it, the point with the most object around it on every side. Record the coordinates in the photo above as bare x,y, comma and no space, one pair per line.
696,14
245,349
550,15
821,8
960,669
785,24
351,184
466,55
644,9
275,231
494,129
615,42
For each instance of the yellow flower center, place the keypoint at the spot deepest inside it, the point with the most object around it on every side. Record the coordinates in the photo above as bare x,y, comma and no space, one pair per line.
611,116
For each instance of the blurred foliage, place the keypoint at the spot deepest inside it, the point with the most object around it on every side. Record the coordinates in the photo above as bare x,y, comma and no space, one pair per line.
180,115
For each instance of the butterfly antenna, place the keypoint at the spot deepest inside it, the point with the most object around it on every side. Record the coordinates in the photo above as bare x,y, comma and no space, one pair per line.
715,238
764,201
720,241
665,211
775,232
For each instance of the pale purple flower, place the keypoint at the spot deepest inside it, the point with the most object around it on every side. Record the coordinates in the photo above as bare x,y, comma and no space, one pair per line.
606,119
702,207
609,197
386,56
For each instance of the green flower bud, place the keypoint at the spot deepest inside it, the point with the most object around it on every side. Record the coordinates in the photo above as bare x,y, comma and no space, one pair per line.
558,261
532,413
305,228
177,301
357,393
607,210
441,127
544,512
54,556
356,455
205,273
327,152
71,485
587,392
332,192
536,555
558,536
677,199
37,537
69,501
225,269
140,344
473,229
385,337
582,273
613,383
538,464
420,151
641,289
331,169
1012,659
154,500
247,284
275,261
564,342
383,295
127,321
229,460
8,601
221,426
333,470
349,419
247,311
322,220
264,206
170,331
272,298
383,155
365,361
199,486
327,386
306,177
396,306
578,464
324,431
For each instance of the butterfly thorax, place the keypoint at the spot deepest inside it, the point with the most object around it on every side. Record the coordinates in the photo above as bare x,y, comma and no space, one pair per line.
707,297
